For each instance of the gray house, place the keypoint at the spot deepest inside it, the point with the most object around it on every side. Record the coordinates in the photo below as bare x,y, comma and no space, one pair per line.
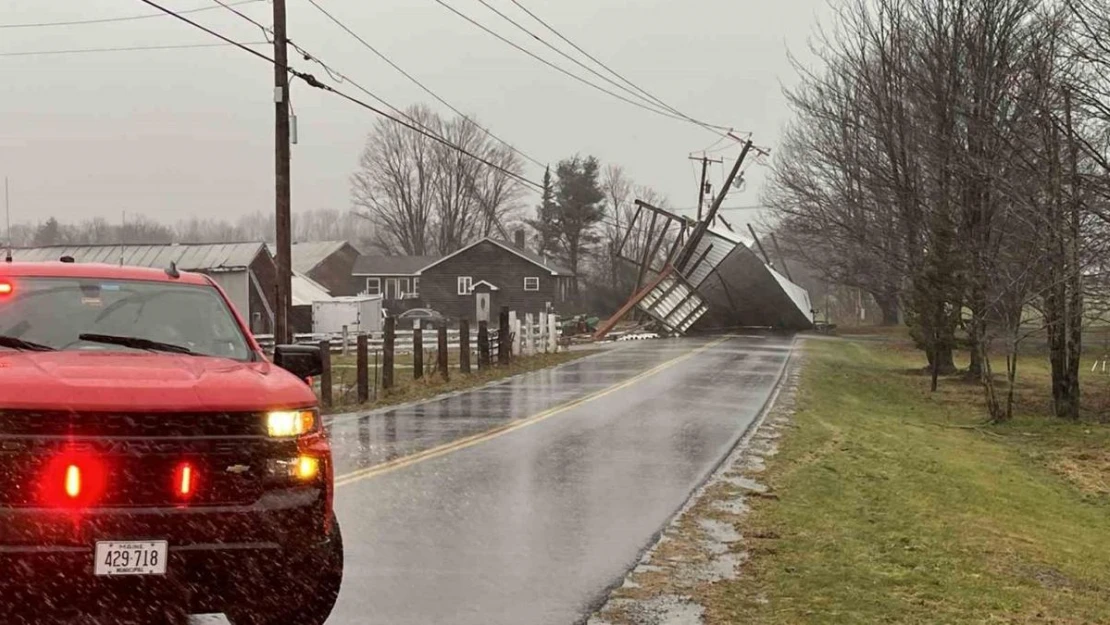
513,277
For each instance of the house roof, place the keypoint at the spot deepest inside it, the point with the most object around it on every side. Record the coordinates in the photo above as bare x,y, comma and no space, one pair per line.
306,290
391,265
308,255
187,256
531,257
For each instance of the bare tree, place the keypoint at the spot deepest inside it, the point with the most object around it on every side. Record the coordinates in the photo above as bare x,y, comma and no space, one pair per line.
426,197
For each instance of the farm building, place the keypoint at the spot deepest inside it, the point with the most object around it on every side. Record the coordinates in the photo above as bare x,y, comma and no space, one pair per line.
246,271
328,264
306,292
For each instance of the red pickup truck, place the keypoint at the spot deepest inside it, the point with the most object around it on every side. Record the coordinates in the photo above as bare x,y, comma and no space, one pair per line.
153,461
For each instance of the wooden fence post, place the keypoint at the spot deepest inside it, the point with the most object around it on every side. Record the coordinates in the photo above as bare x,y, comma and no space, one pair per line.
417,350
464,346
325,377
483,345
553,332
346,337
503,336
441,352
513,351
529,328
377,371
387,352
542,333
362,366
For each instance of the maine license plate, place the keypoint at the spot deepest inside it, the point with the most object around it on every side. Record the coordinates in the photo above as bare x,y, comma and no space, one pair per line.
132,558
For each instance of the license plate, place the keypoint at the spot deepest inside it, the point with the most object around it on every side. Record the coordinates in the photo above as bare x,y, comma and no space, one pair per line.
131,558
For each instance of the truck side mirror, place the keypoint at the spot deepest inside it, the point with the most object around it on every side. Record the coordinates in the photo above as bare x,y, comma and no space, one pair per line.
303,361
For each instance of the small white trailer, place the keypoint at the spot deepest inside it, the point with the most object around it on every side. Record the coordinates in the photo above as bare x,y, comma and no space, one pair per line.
360,313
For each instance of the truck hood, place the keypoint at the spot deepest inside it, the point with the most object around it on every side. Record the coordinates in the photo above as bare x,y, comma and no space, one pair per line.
124,381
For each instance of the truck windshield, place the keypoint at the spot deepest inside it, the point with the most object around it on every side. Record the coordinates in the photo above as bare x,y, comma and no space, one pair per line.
55,312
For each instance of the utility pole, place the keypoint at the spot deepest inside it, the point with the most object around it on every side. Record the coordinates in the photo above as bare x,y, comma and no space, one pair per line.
699,230
704,170
282,156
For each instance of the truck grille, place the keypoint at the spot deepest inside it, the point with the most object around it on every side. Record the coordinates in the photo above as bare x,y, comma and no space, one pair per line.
140,453
112,424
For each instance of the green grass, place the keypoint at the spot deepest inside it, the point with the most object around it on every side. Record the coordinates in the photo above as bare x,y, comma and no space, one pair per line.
408,389
898,506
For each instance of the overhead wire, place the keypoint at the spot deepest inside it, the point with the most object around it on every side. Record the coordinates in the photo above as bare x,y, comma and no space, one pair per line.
421,85
577,62
314,82
643,93
127,18
557,68
124,49
333,73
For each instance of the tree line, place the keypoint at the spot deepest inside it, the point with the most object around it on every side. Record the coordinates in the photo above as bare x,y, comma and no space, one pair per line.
950,157
315,225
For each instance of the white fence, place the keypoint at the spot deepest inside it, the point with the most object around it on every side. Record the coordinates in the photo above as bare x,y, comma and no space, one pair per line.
532,334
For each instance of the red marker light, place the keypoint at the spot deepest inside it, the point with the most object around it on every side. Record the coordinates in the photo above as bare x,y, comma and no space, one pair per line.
73,481
185,482
6,288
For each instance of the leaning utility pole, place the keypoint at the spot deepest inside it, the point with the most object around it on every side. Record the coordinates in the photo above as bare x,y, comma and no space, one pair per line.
281,153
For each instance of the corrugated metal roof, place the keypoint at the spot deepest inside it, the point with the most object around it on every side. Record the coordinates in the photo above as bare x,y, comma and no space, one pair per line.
187,256
306,291
308,254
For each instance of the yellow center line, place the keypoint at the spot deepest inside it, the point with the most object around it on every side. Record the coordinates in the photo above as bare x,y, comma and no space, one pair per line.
512,426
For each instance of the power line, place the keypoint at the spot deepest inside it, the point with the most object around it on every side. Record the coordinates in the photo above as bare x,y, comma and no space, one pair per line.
124,49
313,82
556,67
335,75
106,20
577,62
426,89
646,94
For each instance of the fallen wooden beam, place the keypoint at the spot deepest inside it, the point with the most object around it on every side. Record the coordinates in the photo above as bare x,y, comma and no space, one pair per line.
611,322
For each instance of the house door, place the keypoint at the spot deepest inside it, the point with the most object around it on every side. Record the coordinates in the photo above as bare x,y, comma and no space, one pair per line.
391,290
482,302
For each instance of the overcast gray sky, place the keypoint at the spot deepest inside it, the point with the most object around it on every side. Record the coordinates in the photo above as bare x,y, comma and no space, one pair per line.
176,133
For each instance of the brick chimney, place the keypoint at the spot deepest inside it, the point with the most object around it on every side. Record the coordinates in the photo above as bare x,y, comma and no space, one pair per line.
519,239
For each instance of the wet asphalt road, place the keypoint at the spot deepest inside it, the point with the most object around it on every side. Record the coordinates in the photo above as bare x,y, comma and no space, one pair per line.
532,524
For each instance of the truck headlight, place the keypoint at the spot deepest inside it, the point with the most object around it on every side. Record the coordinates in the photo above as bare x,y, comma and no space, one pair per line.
289,423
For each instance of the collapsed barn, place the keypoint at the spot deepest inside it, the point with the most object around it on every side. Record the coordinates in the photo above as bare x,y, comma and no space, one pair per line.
697,276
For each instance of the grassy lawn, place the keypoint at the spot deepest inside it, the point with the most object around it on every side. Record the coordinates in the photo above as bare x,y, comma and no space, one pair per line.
897,505
408,389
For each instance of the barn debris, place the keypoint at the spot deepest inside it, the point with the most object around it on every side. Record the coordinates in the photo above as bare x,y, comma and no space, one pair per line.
695,276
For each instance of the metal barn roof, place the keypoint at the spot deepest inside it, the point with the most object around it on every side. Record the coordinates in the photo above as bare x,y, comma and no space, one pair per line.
308,254
306,290
188,257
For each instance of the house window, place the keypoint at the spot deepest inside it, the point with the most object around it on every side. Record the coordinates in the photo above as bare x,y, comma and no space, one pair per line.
531,284
396,288
465,284
415,287
373,286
